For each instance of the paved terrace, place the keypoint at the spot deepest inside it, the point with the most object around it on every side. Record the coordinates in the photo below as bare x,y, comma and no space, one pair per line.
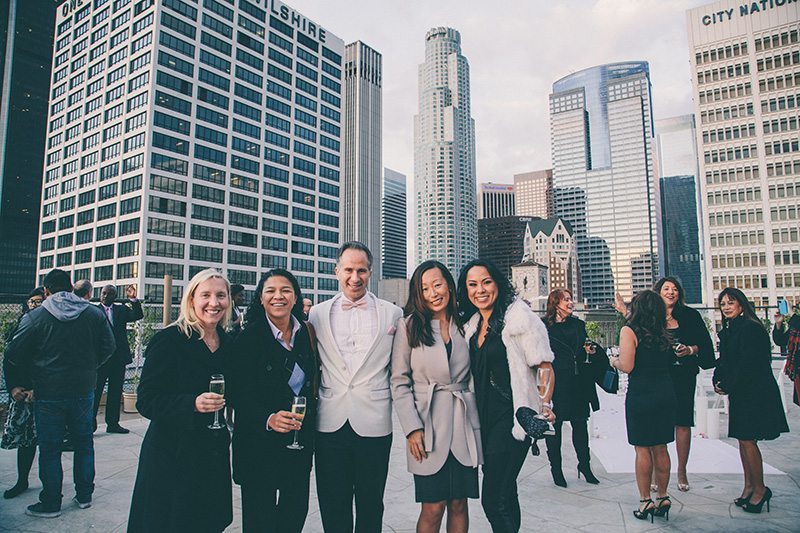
580,507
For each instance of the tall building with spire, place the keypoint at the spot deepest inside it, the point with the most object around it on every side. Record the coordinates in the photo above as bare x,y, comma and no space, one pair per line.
361,150
444,155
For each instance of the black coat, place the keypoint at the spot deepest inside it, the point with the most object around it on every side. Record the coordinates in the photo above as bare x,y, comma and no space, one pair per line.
693,332
122,314
257,379
744,371
575,387
184,477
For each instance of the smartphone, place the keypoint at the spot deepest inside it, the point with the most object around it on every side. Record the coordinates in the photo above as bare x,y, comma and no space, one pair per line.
783,307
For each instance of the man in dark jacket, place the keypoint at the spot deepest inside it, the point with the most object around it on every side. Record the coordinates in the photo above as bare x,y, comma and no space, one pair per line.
61,343
113,371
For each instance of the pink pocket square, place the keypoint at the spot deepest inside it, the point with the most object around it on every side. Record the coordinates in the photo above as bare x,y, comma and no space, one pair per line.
391,331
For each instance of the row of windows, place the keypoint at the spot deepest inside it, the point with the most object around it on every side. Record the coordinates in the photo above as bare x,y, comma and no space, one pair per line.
776,39
731,175
747,281
783,168
734,218
723,73
726,113
723,52
738,260
730,154
728,196
782,124
785,146
740,238
729,133
786,59
790,79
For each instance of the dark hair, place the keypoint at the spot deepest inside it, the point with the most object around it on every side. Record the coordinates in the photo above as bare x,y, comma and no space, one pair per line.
236,288
355,245
255,313
416,309
669,279
553,299
648,318
505,294
38,291
747,308
57,281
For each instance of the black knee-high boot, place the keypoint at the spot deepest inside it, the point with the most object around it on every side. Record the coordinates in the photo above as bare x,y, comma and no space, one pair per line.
25,457
580,440
554,454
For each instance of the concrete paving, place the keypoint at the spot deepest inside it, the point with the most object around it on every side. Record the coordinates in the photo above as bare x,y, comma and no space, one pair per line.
580,507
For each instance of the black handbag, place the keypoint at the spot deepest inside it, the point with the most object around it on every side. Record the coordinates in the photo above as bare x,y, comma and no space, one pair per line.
610,382
535,427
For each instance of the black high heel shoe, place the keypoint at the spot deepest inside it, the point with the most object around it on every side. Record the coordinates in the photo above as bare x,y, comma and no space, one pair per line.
738,502
587,473
751,507
663,507
558,476
649,509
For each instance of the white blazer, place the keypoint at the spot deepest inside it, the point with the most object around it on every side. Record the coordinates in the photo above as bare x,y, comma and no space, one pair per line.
363,398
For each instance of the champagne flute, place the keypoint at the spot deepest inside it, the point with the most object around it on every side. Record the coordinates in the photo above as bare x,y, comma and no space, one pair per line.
677,347
543,386
217,386
587,345
298,408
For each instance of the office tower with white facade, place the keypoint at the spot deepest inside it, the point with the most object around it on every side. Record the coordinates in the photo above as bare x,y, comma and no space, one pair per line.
187,135
361,151
551,242
444,155
601,127
26,47
393,225
745,60
533,193
680,218
495,200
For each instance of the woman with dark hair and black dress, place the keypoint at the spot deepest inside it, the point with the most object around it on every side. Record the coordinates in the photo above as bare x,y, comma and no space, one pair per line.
507,343
575,366
744,373
645,353
274,360
434,400
693,350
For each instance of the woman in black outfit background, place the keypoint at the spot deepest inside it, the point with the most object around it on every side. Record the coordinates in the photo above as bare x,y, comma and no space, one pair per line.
273,361
693,350
744,373
645,353
576,389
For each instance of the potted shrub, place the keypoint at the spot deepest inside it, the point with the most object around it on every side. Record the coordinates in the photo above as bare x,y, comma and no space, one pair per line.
138,336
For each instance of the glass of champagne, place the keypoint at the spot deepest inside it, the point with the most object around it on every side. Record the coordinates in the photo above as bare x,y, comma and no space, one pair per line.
543,386
298,408
587,345
217,386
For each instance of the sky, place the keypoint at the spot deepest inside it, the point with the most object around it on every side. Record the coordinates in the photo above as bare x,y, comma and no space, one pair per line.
516,49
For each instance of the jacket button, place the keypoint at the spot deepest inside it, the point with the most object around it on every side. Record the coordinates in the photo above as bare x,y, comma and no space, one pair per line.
269,367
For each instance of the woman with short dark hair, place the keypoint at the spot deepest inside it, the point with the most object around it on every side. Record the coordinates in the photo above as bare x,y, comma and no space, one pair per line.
744,373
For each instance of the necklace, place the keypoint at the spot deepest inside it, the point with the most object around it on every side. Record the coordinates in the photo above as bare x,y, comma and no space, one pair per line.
212,343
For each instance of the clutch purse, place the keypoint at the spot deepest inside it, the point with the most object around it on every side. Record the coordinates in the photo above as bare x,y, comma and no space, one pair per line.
533,426
610,382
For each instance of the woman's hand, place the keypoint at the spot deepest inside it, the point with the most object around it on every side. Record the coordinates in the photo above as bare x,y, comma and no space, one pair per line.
778,320
208,402
590,347
684,351
718,389
416,445
19,394
619,304
548,414
285,421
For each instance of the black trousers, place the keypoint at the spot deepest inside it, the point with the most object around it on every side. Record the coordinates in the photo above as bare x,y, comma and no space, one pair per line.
350,466
279,504
580,440
112,371
499,496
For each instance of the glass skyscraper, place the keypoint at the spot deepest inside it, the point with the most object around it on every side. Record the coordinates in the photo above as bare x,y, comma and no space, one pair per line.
680,217
444,155
601,126
394,228
186,135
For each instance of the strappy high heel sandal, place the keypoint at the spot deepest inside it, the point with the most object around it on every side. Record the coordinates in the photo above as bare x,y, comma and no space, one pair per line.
663,507
642,512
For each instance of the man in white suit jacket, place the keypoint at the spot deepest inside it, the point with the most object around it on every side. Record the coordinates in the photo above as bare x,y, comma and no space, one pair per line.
355,331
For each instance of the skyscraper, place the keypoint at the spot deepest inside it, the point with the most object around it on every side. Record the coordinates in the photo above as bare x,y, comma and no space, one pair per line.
601,127
533,193
26,46
495,200
746,72
444,155
183,136
393,225
676,163
361,150
501,240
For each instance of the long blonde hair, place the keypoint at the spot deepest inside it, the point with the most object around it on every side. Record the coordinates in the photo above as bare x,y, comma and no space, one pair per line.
187,321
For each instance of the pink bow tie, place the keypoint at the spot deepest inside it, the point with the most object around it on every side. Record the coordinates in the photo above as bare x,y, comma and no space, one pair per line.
347,304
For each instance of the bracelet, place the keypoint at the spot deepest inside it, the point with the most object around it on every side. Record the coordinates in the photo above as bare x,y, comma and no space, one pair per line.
549,405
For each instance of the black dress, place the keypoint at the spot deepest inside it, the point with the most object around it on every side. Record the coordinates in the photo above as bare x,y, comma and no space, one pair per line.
575,387
184,478
650,401
744,371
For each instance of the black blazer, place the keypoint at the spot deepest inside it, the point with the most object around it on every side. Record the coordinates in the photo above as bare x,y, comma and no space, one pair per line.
693,332
257,379
130,311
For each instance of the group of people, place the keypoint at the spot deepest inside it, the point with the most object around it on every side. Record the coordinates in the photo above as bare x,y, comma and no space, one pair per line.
459,363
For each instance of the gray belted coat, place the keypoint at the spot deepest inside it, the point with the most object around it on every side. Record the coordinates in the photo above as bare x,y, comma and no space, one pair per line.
437,396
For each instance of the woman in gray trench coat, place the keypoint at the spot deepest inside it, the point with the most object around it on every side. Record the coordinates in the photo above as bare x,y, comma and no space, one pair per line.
435,402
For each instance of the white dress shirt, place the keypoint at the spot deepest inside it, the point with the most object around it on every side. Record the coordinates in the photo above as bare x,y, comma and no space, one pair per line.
279,334
354,330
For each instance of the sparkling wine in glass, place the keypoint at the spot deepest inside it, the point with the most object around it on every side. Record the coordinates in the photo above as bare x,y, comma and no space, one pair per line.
298,408
543,386
587,345
677,347
217,386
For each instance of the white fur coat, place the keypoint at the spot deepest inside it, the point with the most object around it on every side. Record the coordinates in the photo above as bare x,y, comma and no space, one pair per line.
527,345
